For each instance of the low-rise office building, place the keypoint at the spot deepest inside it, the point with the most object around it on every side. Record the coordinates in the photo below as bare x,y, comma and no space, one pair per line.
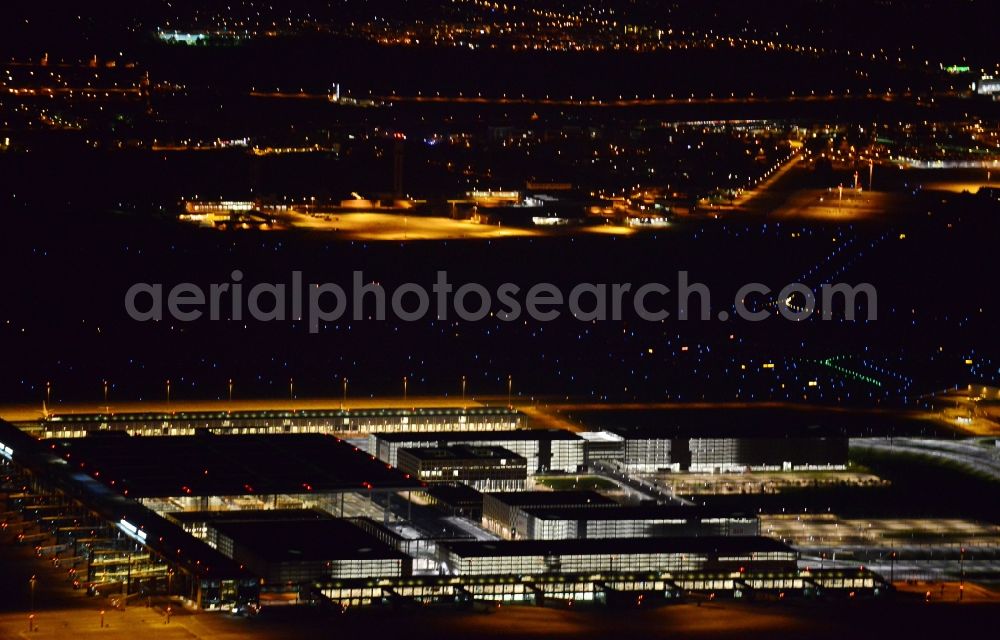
455,499
544,449
486,468
603,446
503,512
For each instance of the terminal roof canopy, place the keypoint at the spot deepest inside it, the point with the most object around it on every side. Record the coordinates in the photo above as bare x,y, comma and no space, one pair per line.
308,540
207,465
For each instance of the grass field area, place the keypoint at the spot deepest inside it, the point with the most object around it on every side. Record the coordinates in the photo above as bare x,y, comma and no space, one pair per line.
576,483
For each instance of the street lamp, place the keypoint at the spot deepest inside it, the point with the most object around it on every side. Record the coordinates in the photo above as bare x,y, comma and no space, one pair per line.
230,391
32,582
463,392
128,580
510,388
343,402
961,568
404,389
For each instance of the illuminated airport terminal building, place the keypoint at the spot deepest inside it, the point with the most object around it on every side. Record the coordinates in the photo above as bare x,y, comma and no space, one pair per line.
614,588
240,509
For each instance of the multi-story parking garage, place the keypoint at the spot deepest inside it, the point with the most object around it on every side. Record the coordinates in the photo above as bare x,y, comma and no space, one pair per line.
708,440
644,521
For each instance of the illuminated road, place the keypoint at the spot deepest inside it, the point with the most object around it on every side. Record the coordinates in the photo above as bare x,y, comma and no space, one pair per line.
750,195
610,406
470,528
717,619
638,485
588,102
74,91
978,456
